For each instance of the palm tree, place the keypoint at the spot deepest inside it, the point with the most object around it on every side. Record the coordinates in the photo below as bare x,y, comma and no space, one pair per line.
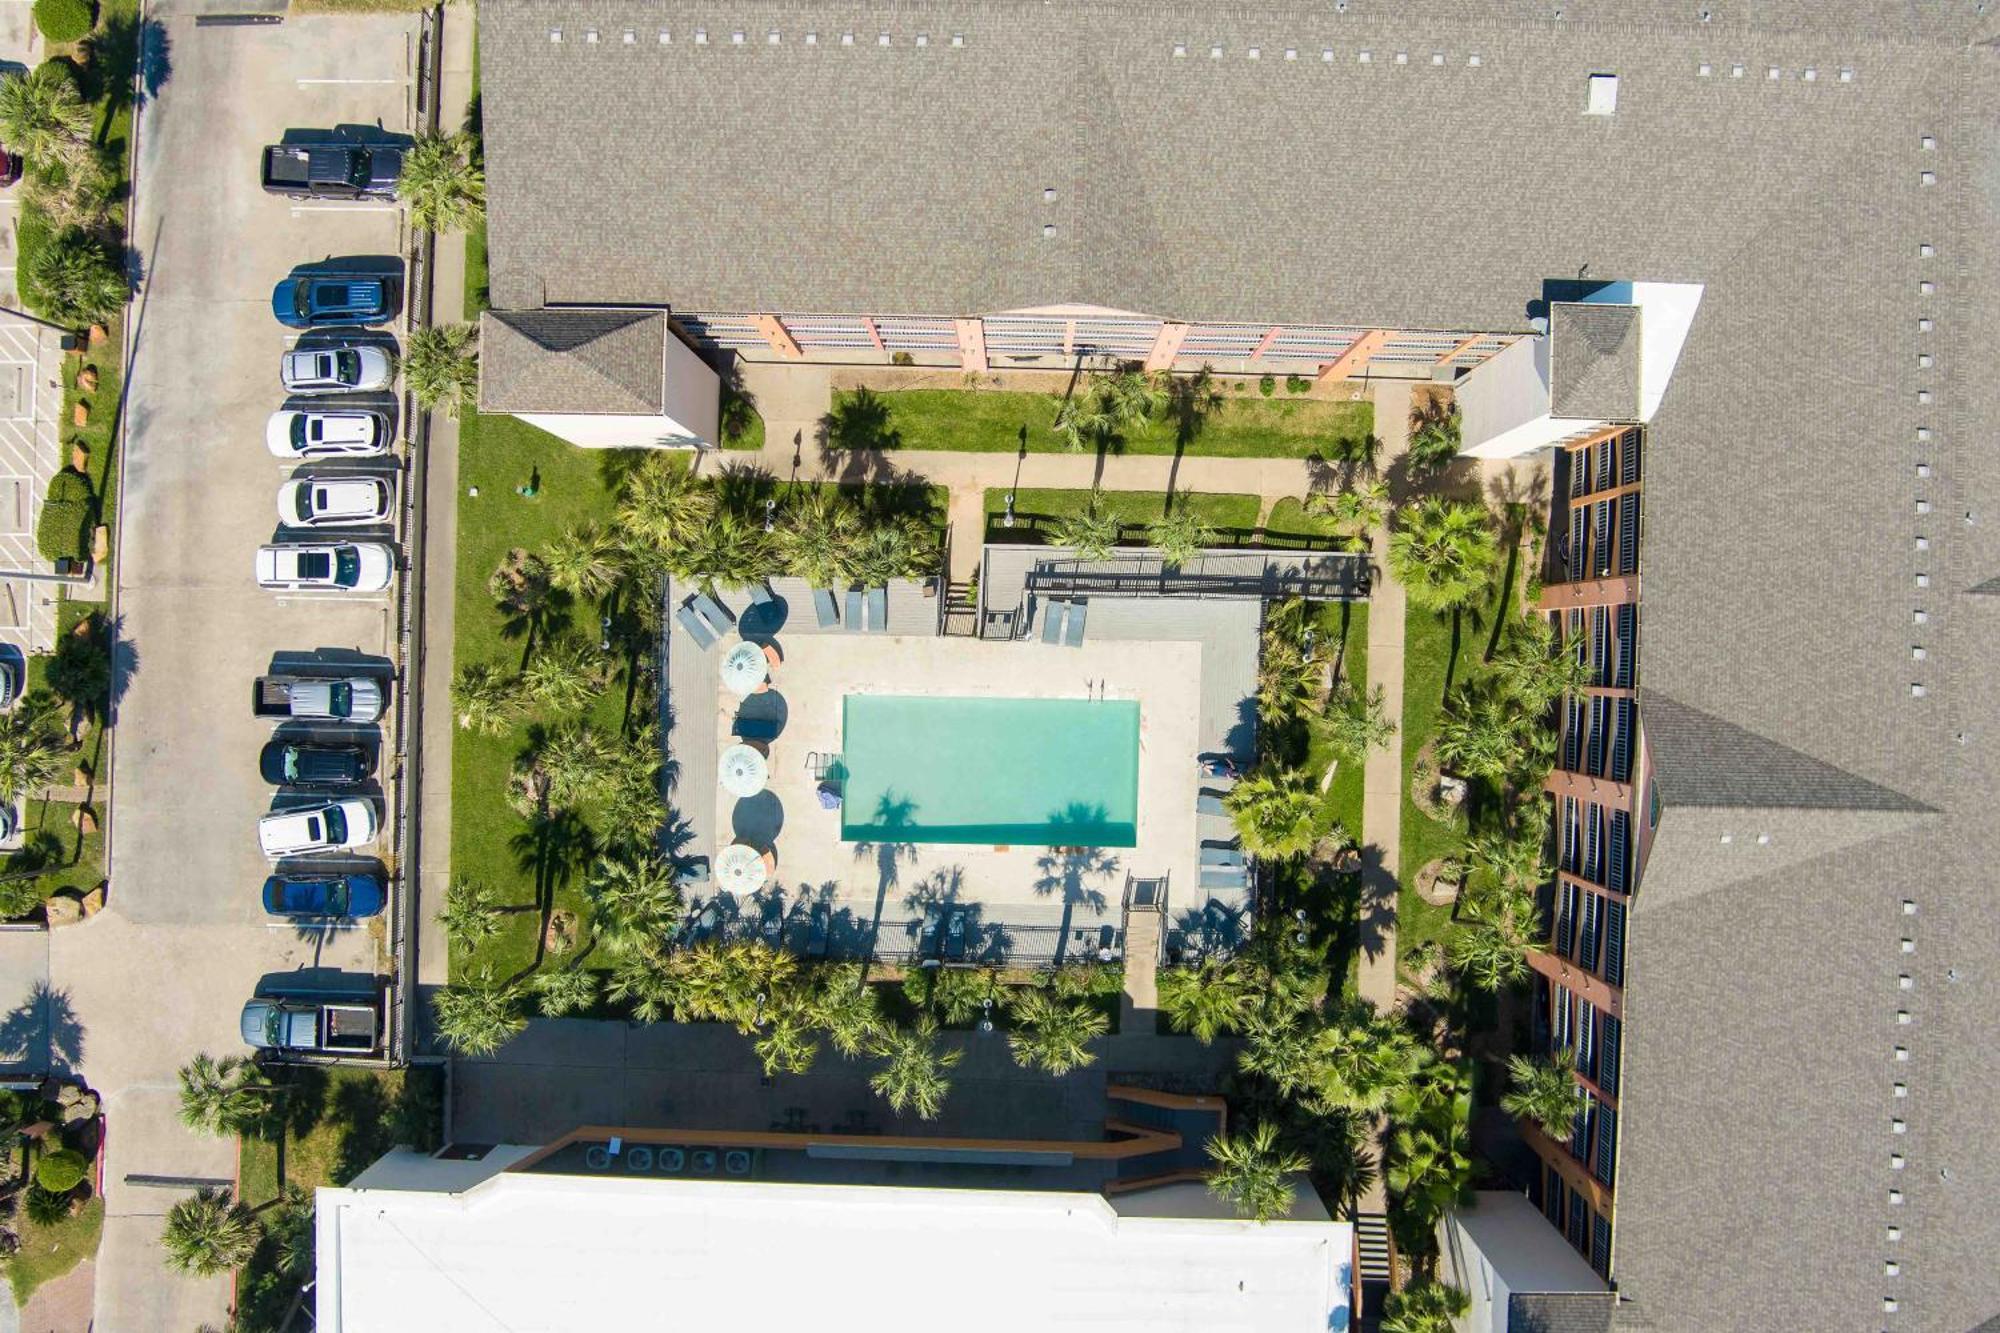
565,677
290,1228
76,192
915,1076
1209,1000
1092,530
732,551
1480,735
222,1097
1430,1166
1275,810
1535,668
895,549
1129,399
1490,957
1253,1172
1191,401
567,990
1424,1307
441,366
1357,509
1080,421
526,596
577,761
1181,533
1435,442
1545,1091
1291,676
468,917
209,1233
77,279
634,903
442,184
1515,860
43,116
585,561
1355,723
651,985
34,749
1054,1034
844,1008
663,509
817,536
1443,552
484,697
787,1046
477,1019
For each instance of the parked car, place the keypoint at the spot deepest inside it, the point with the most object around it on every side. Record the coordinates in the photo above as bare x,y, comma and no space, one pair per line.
333,168
10,167
357,894
317,698
311,300
10,683
333,502
313,432
340,368
288,763
332,827
349,1027
326,567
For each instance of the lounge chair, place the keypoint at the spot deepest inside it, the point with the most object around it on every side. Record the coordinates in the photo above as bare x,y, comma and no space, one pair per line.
1208,803
1213,878
1222,856
1052,619
760,594
703,637
763,729
1073,636
878,610
694,873
826,609
851,622
713,613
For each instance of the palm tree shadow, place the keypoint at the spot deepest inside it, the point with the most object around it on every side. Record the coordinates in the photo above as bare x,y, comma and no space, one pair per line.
551,848
890,854
1071,869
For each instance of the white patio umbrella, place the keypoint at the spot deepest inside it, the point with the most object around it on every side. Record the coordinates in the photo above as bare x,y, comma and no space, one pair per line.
745,668
740,869
744,771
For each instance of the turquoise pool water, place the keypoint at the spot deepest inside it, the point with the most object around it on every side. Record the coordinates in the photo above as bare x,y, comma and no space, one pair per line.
1027,772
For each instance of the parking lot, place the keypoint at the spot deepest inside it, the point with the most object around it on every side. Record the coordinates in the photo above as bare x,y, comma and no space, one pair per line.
164,971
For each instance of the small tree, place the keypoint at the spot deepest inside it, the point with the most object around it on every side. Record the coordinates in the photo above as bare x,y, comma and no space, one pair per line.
1355,723
817,537
585,561
1435,442
1092,531
62,531
1544,1091
568,990
843,1006
441,366
223,1097
485,698
61,1171
1253,1172
1424,1307
442,184
1443,552
34,748
79,672
634,904
915,1075
1128,399
1209,1000
1355,510
1491,956
42,115
1180,534
1054,1034
468,916
477,1019
77,280
565,677
1275,810
64,21
1080,422
209,1233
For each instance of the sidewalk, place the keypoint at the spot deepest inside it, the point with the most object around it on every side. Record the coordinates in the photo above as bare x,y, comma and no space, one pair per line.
441,545
1382,781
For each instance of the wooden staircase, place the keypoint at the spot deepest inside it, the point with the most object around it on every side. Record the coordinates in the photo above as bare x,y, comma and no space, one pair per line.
1375,1260
961,609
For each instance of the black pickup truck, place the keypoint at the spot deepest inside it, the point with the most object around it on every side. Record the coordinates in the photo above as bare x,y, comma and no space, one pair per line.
334,169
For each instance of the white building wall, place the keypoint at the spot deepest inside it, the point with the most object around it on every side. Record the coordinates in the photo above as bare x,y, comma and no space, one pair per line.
620,432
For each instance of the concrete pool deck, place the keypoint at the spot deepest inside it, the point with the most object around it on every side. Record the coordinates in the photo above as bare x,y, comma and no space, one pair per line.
1016,892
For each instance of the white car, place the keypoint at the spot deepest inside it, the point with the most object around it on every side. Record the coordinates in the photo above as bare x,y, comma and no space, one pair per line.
330,433
332,827
343,368
335,566
333,502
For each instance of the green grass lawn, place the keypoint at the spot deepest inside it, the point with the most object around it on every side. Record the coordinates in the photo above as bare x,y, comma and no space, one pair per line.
1347,624
1134,509
48,1252
998,421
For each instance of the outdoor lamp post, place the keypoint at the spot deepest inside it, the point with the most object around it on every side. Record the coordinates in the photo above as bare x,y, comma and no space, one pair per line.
770,511
986,1014
1008,521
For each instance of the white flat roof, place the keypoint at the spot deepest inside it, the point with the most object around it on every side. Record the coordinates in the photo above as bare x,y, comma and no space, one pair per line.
527,1253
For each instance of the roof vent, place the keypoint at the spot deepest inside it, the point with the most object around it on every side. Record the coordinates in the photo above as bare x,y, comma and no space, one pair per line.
1180,49
1602,99
629,37
923,39
847,39
773,37
701,36
1048,231
1048,194
812,39
1473,60
958,39
590,35
736,37
881,39
1846,74
555,34
1255,52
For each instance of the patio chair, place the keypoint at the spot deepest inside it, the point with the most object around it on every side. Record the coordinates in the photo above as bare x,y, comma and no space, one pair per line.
851,622
878,610
763,729
760,594
1052,619
1236,878
1209,803
1073,637
713,613
826,609
700,633
1221,856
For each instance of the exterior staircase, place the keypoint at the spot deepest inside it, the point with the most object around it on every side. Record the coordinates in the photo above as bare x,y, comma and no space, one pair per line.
961,609
1375,1261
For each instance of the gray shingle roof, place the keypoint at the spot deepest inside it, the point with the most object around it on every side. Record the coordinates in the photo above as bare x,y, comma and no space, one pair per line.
555,361
1560,1312
1594,361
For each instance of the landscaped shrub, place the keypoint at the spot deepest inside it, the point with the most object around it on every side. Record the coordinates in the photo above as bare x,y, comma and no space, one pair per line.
902,359
62,532
63,20
61,1171
1268,385
1297,384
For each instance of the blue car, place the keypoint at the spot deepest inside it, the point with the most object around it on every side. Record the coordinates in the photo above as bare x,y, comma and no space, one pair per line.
324,895
309,300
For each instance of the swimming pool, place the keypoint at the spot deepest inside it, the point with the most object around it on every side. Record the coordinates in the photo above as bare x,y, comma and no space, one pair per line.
1032,772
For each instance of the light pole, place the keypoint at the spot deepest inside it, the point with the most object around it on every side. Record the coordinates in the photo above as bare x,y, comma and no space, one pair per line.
1008,521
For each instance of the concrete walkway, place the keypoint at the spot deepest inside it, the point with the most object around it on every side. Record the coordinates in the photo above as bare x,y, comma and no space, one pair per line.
441,544
1382,780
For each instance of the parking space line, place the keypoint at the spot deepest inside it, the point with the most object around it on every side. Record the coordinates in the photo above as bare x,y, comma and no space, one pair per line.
303,82
322,599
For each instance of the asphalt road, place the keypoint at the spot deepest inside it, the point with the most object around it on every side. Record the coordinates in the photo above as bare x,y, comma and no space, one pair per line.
163,972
